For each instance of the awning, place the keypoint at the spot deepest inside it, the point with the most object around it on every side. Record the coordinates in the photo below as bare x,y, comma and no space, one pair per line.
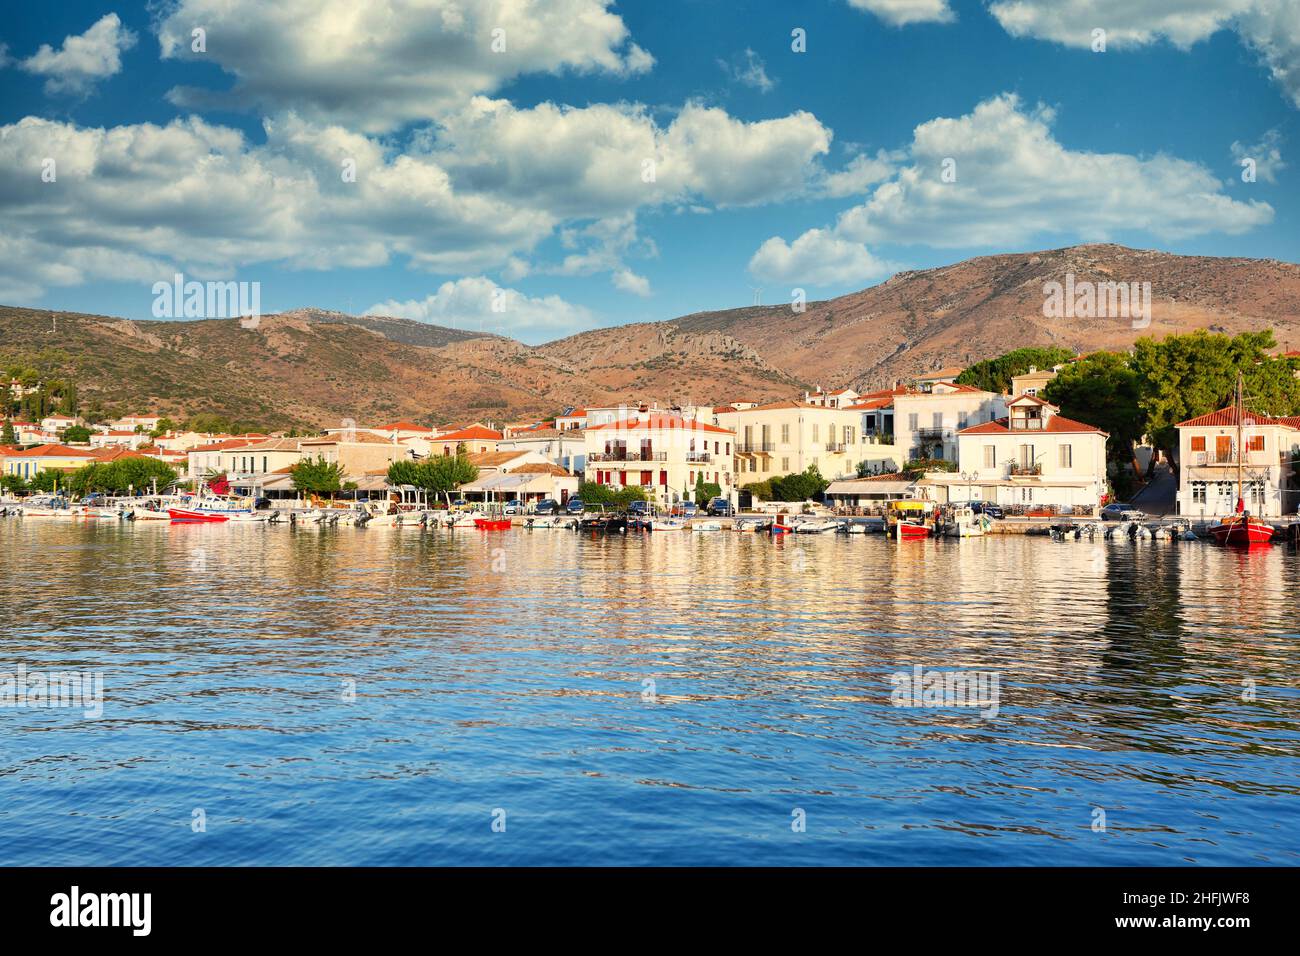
870,489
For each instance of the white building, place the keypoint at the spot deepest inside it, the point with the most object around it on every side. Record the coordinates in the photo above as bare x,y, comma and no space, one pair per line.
662,454
566,449
1032,457
1207,464
926,421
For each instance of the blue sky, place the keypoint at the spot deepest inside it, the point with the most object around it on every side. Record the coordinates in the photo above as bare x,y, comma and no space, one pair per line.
518,173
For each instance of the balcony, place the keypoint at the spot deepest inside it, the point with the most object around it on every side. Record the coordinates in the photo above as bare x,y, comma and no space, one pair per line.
1222,459
834,447
753,447
618,455
1022,470
699,456
1027,424
878,438
932,434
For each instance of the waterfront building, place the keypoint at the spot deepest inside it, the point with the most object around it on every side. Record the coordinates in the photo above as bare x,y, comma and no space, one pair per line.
926,420
781,438
661,453
518,475
841,398
1034,456
355,452
874,491
1034,381
476,440
1207,464
30,462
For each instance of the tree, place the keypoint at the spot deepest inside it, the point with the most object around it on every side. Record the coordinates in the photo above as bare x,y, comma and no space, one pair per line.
799,486
994,375
13,484
449,472
1103,390
46,480
76,433
7,436
317,477
164,426
1183,376
705,490
120,477
592,493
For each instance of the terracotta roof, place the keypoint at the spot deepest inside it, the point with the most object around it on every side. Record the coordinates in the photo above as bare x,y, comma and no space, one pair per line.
874,403
52,451
224,444
1031,398
542,468
1055,424
951,370
474,431
661,422
275,444
576,413
494,459
547,433
404,427
1228,416
722,409
356,438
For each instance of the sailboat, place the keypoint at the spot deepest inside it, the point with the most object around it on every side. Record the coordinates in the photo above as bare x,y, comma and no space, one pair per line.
1241,529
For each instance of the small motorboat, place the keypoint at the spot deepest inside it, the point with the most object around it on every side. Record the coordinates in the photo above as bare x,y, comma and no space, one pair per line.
780,526
910,519
708,525
196,514
667,524
492,524
816,526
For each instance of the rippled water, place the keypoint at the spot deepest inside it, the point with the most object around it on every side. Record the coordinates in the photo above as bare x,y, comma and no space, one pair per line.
510,672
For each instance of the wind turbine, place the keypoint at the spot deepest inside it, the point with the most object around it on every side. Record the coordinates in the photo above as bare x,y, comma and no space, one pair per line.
757,294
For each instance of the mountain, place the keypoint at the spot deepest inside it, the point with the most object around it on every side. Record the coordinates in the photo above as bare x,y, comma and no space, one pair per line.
315,367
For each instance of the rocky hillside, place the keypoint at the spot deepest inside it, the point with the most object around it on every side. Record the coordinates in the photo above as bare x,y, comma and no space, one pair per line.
316,367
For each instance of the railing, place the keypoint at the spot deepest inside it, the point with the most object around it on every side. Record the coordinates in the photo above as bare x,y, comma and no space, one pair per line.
627,456
832,447
1026,469
930,434
749,447
699,456
1026,424
1255,458
878,438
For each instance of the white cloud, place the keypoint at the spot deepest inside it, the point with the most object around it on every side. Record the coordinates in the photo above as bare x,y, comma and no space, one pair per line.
817,257
625,280
1015,183
83,60
749,70
902,12
859,175
478,302
1270,27
1267,155
377,64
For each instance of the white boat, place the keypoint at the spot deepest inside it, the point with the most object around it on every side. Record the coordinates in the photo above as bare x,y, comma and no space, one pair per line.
465,519
965,523
667,524
542,521
815,526
855,527
707,526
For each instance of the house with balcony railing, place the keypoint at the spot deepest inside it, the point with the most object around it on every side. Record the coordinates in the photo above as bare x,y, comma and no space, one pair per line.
1031,457
1208,452
781,438
662,453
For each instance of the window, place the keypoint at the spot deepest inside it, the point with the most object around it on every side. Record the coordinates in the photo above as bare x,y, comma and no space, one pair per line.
1256,443
785,466
1026,456
1027,495
785,434
1067,456
961,419
936,420
848,434
1198,487
990,456
815,428
912,421
1198,444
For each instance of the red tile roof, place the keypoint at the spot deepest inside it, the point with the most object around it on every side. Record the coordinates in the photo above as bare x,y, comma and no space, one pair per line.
404,427
1056,424
1228,416
52,451
471,433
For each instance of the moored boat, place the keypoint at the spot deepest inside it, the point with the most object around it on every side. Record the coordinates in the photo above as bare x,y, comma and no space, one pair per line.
492,524
1241,530
911,519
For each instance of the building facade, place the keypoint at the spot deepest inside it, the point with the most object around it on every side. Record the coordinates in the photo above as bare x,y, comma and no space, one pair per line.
662,454
1207,464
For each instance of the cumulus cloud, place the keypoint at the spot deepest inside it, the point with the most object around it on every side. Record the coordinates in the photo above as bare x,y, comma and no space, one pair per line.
83,60
478,302
818,257
1013,182
625,280
1270,27
1266,154
859,175
375,65
902,12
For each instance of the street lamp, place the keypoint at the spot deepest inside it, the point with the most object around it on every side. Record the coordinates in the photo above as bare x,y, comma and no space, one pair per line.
970,478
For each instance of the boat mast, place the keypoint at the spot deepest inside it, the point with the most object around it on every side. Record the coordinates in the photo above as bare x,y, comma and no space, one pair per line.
1241,501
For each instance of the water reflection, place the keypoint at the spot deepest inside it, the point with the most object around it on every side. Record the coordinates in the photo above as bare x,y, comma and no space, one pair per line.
667,698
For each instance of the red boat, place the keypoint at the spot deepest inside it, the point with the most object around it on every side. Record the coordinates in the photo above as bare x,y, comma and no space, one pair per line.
1241,529
184,514
492,524
908,531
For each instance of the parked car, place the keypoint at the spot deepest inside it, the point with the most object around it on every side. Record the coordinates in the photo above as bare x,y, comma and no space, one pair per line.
721,508
1118,511
547,506
638,509
685,509
574,507
514,507
987,508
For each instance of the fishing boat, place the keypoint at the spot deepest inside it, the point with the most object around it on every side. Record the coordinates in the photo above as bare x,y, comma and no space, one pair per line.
816,526
963,522
752,524
782,525
911,519
667,524
706,525
492,524
1241,530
